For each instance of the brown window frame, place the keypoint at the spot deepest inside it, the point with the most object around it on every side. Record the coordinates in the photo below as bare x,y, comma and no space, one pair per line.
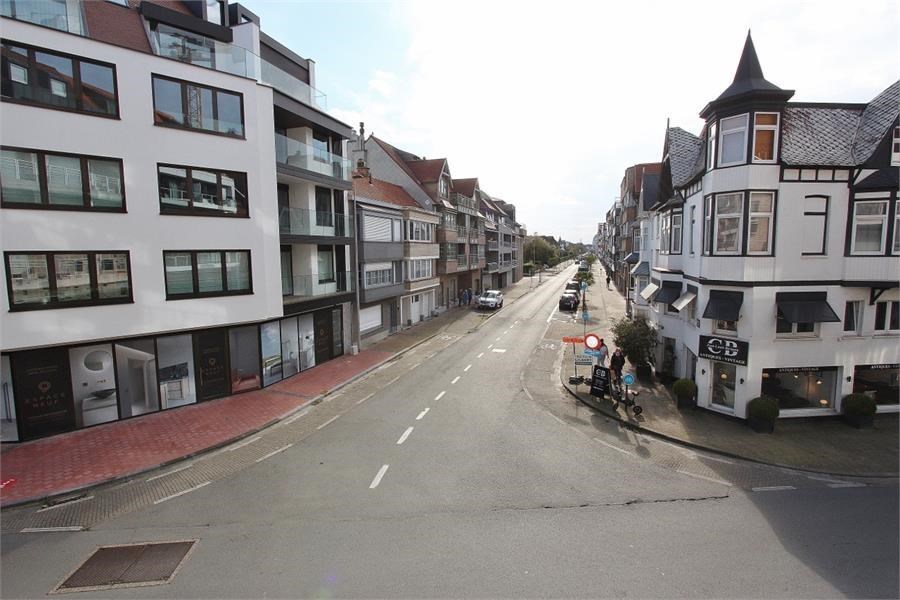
243,211
195,276
185,126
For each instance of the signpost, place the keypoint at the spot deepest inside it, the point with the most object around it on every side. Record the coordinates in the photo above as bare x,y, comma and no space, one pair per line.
574,339
599,381
592,341
584,359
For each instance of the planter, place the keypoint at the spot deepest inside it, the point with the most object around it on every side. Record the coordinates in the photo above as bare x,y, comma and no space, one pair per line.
761,425
685,402
644,372
860,421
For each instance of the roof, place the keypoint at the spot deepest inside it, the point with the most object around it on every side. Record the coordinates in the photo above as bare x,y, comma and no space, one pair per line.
375,189
683,150
397,156
466,187
879,115
818,135
427,171
649,190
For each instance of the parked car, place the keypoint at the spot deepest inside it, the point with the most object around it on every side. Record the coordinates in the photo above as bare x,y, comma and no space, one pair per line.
584,267
491,299
573,285
568,301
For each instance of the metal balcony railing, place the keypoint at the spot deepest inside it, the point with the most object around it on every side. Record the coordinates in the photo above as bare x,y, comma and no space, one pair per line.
316,284
293,153
303,221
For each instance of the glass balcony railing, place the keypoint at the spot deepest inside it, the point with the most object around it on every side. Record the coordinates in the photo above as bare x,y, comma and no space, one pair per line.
316,284
303,221
493,245
292,153
208,53
492,266
462,262
57,14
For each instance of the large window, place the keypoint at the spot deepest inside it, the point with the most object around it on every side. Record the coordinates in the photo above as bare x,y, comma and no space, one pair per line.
191,190
869,227
759,238
733,140
325,262
379,275
419,269
191,106
882,323
728,223
50,79
34,179
765,137
801,387
320,147
676,233
420,232
324,216
202,273
37,280
815,224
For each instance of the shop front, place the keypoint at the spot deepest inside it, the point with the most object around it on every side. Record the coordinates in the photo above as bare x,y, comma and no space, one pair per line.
725,355
802,388
880,382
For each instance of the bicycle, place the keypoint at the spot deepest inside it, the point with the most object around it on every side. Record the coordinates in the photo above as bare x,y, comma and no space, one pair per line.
617,393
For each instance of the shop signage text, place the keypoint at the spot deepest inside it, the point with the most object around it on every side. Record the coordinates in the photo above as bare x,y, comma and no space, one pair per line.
723,350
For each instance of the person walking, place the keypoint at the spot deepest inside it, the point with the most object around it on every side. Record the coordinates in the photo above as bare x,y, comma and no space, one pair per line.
617,363
607,281
603,350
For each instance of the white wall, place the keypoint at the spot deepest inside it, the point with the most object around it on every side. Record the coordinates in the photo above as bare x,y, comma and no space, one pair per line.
143,230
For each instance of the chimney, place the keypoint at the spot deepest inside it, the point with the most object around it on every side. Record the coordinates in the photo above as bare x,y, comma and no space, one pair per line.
362,135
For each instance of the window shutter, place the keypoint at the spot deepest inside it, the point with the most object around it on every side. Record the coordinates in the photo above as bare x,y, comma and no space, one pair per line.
376,229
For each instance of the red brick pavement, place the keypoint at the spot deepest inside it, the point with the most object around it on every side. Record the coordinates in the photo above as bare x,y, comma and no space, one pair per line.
107,452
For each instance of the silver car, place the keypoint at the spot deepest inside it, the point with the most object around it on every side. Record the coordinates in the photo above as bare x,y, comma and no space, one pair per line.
490,299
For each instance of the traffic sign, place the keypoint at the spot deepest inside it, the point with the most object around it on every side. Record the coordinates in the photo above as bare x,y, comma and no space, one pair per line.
585,316
583,285
592,341
584,359
590,352
573,339
628,379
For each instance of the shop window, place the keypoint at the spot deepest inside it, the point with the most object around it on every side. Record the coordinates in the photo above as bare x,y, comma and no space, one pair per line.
243,347
138,390
879,382
93,385
176,371
270,349
801,387
725,327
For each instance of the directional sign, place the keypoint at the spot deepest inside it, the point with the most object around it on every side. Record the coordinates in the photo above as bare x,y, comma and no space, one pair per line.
585,316
590,352
592,341
584,359
573,339
628,379
583,285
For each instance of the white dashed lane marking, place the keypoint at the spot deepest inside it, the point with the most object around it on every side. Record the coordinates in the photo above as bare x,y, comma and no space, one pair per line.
455,379
328,422
467,368
422,414
378,477
439,396
273,453
773,488
500,350
405,435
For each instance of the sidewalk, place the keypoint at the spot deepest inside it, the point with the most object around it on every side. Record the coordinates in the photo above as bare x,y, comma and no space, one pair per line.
80,459
824,444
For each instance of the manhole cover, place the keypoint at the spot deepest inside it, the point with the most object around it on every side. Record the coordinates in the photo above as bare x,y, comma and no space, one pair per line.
128,565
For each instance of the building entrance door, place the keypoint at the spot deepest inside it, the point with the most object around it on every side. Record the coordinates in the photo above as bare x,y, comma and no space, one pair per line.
324,341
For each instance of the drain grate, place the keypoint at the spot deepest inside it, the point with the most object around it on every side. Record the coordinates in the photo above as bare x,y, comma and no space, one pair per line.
128,565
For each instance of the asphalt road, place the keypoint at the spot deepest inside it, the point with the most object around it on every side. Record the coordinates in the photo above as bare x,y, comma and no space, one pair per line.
463,470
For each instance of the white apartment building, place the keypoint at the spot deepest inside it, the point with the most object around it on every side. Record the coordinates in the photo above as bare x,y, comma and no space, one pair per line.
173,216
775,244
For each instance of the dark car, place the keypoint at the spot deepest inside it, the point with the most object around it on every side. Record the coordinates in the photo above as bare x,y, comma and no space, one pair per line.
568,301
573,285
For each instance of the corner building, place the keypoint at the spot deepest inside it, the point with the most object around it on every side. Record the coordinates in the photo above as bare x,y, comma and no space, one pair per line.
173,214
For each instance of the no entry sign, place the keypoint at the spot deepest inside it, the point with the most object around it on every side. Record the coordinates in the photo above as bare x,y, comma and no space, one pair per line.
592,341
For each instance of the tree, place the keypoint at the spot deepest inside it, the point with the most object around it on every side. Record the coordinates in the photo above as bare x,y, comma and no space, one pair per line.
585,276
636,339
540,251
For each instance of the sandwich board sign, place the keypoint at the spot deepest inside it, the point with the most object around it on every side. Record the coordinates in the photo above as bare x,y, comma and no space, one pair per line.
600,381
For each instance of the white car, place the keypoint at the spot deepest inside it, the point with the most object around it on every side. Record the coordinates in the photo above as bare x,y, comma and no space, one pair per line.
490,299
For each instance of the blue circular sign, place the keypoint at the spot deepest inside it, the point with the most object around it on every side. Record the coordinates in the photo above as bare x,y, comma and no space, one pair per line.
628,379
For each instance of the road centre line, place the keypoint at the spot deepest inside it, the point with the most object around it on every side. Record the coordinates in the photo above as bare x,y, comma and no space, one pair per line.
500,350
366,398
378,477
394,380
172,472
467,368
491,346
480,355
51,529
773,488
846,484
182,493
439,396
616,448
271,454
62,504
455,379
328,422
422,414
405,435
414,366
703,477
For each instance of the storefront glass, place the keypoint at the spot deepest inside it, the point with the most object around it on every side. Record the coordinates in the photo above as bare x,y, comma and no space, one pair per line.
723,376
270,344
176,371
337,326
290,347
878,381
8,430
243,343
801,387
138,390
93,385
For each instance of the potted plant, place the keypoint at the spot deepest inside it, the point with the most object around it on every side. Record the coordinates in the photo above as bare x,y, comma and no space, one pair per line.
637,339
685,392
762,412
858,410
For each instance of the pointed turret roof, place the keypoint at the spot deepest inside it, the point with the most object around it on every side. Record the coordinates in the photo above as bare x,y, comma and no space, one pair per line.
748,83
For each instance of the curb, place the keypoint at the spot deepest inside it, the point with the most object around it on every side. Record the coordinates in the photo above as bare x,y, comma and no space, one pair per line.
689,444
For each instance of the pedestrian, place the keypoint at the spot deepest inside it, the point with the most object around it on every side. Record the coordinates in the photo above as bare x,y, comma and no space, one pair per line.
469,292
462,297
603,350
616,363
607,282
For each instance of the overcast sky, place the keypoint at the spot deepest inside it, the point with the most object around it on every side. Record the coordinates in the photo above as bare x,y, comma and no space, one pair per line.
548,103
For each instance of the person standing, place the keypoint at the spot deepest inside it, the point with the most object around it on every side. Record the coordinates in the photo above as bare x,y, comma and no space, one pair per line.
616,363
603,352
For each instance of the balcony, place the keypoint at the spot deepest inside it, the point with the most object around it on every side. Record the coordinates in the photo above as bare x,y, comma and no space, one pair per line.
493,267
306,222
493,246
199,50
462,262
292,153
447,233
298,288
463,203
447,265
64,16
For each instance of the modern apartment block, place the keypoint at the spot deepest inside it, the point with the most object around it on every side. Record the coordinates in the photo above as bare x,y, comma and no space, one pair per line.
776,250
173,211
505,241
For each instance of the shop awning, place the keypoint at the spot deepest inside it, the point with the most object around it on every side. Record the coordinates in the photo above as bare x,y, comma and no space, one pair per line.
670,292
724,305
805,307
683,300
633,258
649,291
642,268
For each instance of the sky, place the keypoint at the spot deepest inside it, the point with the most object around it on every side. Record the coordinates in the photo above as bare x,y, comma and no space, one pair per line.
547,103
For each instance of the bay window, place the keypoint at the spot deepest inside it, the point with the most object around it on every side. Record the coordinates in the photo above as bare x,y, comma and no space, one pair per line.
765,137
733,140
728,223
676,233
759,239
869,227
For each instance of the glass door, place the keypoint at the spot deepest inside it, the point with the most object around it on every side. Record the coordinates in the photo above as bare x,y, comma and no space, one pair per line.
723,376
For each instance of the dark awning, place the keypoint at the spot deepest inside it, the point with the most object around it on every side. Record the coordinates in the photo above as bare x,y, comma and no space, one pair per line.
642,268
633,258
724,305
805,307
670,292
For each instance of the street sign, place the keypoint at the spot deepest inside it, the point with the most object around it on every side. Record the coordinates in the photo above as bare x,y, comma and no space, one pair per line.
585,316
584,359
628,379
573,339
583,285
590,352
592,341
599,381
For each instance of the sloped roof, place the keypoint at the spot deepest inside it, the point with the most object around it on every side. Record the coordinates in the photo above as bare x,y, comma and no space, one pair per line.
880,114
427,171
649,190
375,189
819,135
683,150
466,187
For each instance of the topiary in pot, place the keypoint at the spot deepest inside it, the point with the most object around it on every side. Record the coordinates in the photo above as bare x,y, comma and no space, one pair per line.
858,410
762,412
685,392
638,340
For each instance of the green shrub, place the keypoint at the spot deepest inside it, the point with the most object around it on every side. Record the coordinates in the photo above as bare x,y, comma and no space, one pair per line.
763,407
684,389
637,339
858,405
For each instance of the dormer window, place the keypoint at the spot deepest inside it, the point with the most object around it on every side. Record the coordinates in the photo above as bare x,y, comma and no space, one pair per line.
733,140
765,137
442,187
